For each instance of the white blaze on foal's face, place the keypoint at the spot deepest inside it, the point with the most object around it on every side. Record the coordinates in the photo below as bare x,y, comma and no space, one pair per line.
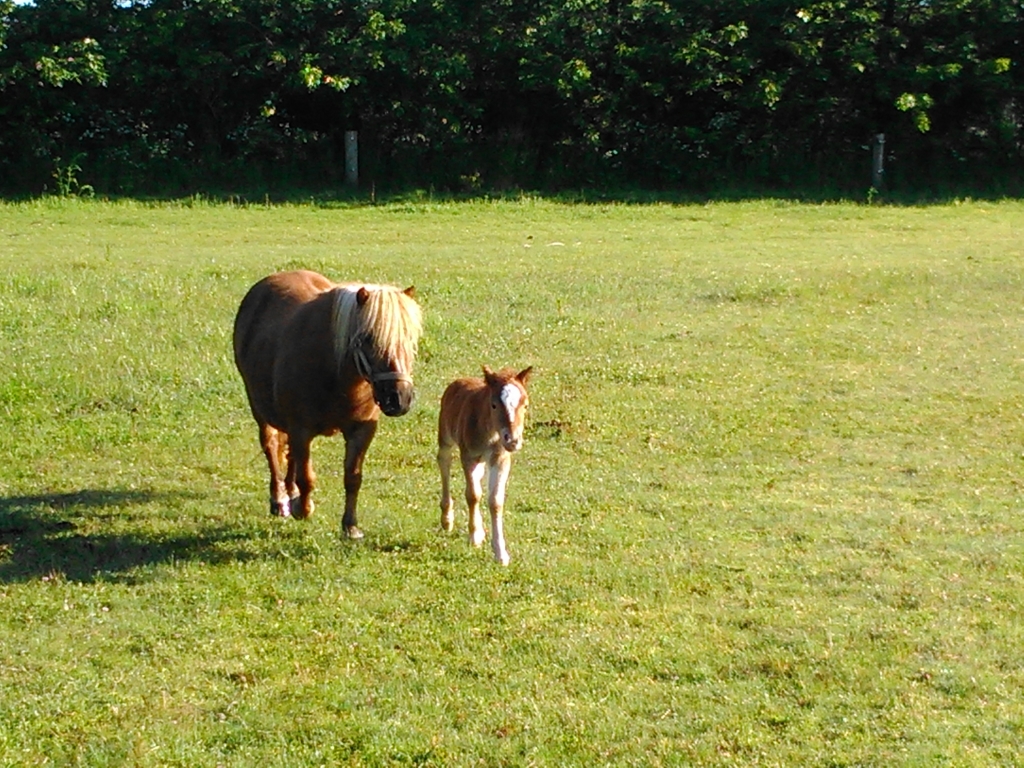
511,400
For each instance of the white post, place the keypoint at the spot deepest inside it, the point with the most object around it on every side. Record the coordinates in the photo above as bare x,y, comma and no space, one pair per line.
878,161
352,158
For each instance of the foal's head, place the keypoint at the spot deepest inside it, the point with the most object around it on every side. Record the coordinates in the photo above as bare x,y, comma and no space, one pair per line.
508,404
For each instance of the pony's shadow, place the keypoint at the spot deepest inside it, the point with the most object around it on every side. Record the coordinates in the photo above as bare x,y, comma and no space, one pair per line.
39,537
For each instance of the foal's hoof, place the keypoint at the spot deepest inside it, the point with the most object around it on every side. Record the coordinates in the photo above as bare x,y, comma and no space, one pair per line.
280,509
353,532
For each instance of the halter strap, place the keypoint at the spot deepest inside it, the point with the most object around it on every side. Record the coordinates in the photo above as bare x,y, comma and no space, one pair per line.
365,370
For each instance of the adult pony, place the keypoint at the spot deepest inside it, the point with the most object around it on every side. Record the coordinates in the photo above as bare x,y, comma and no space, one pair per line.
319,358
485,419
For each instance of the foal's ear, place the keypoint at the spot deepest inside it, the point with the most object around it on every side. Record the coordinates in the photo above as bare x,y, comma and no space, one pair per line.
488,374
362,295
410,291
524,375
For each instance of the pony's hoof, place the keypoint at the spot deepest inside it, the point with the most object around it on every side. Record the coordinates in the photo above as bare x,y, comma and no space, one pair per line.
448,522
353,532
298,511
280,509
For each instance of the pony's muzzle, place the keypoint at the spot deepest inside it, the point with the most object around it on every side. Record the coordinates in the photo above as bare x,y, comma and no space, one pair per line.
395,398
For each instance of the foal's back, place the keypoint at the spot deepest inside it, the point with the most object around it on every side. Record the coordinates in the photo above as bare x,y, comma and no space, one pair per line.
464,418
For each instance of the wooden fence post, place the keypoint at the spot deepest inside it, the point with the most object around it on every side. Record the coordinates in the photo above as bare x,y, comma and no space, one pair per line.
352,158
878,162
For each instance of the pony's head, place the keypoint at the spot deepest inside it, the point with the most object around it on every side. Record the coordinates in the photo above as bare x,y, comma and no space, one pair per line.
508,404
378,329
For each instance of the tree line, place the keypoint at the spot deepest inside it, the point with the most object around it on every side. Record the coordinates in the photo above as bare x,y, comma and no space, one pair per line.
144,96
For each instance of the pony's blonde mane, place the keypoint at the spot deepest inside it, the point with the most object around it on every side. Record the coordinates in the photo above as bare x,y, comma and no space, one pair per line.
389,318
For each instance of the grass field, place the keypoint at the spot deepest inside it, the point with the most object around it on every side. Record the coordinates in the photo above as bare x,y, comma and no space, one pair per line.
769,510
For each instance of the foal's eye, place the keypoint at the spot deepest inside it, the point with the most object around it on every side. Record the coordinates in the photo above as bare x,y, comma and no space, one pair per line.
494,405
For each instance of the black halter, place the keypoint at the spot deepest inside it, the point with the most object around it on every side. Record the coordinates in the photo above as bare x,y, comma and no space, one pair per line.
365,370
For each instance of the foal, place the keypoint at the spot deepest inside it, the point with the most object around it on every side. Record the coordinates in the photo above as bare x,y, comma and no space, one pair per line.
485,418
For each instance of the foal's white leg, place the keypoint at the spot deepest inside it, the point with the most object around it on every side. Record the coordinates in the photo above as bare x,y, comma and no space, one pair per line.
444,463
496,482
474,475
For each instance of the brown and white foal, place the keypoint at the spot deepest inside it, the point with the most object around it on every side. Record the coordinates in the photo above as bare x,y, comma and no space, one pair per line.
485,419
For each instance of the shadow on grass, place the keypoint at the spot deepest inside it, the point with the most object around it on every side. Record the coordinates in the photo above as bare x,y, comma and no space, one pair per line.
39,537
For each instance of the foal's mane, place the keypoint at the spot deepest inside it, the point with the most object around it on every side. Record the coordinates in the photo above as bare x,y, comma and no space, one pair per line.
389,318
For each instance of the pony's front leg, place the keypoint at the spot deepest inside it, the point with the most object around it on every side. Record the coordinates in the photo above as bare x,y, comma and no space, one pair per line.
357,440
497,480
301,477
444,464
474,471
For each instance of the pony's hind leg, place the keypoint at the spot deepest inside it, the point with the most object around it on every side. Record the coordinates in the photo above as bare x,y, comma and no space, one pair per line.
444,464
474,471
301,477
289,478
275,447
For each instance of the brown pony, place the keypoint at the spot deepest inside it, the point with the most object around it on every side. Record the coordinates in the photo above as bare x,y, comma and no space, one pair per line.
319,358
485,418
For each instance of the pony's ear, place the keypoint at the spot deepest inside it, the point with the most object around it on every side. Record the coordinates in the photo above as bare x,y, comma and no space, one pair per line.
410,291
524,375
362,295
488,374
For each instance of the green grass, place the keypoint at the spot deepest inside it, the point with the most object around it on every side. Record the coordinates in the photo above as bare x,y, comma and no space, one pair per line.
769,511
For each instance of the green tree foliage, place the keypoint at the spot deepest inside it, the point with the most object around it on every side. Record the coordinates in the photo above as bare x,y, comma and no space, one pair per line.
47,62
183,93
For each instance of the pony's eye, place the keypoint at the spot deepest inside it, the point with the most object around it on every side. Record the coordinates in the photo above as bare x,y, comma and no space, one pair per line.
494,405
